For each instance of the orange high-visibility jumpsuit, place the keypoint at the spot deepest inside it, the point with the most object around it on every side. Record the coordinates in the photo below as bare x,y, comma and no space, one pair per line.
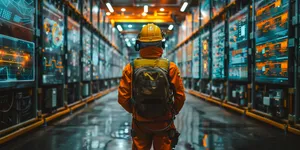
144,138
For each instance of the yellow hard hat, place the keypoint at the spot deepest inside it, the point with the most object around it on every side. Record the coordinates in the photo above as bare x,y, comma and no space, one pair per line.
150,33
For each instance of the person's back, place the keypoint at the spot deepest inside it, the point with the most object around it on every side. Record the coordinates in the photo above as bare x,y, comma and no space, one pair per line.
147,89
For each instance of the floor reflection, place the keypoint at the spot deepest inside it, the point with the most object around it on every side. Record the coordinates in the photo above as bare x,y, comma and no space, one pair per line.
203,126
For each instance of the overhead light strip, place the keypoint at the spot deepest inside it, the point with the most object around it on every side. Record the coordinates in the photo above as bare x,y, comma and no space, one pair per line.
128,44
146,8
120,28
110,8
171,27
183,7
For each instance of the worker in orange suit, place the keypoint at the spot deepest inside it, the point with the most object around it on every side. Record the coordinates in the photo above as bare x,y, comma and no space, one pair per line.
151,90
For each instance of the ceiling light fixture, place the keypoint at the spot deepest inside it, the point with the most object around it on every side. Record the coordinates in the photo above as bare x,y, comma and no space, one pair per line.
108,13
144,14
171,27
108,5
128,44
162,9
183,7
123,9
183,27
95,9
133,39
129,26
120,28
126,39
146,8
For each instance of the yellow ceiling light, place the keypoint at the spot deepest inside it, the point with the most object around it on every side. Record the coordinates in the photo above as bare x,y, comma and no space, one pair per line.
123,9
162,9
144,14
108,13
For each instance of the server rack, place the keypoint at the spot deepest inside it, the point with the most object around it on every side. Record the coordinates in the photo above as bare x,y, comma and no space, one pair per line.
49,86
268,89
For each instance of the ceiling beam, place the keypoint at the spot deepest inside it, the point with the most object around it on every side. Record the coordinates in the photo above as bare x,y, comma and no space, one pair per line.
137,19
137,32
132,9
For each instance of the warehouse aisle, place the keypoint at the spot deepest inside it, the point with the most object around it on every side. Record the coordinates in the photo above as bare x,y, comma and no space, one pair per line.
104,125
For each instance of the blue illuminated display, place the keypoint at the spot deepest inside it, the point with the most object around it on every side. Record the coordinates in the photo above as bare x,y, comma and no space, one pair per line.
53,38
18,12
196,59
205,59
238,46
73,51
218,51
95,58
272,53
16,60
16,19
16,46
86,59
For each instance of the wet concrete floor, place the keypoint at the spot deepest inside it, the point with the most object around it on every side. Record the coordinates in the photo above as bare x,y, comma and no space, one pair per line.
104,125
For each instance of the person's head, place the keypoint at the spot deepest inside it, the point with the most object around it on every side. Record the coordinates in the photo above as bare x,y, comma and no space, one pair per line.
150,36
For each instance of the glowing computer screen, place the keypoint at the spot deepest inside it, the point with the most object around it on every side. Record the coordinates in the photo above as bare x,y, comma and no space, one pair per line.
184,70
218,51
196,59
95,59
238,46
16,60
73,51
86,59
102,50
205,59
53,39
271,56
189,55
271,20
17,18
101,69
17,52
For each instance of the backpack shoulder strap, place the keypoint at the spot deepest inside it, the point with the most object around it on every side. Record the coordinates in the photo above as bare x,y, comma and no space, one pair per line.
132,65
169,72
132,80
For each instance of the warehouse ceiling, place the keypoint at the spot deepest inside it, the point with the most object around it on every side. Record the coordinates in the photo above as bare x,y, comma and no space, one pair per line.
131,16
